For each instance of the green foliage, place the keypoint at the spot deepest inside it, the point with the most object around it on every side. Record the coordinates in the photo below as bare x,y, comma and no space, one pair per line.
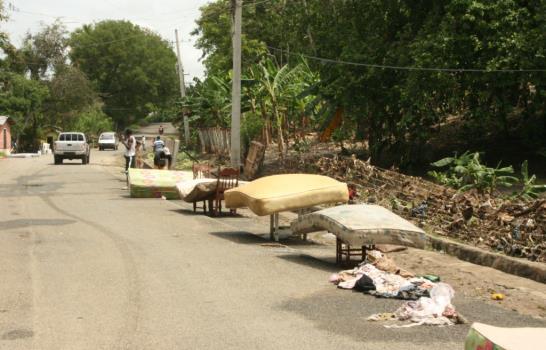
133,75
209,102
466,172
397,111
251,127
70,94
44,52
183,161
92,122
23,100
2,155
530,189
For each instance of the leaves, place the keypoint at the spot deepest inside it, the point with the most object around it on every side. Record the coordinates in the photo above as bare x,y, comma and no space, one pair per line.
132,68
530,190
466,172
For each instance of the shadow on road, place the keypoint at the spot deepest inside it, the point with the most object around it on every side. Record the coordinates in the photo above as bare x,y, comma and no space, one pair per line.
239,237
309,261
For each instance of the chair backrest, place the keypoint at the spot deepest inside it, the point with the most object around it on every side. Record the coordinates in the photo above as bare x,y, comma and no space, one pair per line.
201,170
227,178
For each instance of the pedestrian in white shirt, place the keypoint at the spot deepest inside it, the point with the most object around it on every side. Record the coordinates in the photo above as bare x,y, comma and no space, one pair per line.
130,149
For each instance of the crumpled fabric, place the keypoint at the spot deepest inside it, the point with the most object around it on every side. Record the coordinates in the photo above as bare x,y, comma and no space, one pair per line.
387,285
435,310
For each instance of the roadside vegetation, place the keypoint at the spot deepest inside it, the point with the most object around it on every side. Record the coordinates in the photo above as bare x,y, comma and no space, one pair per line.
415,80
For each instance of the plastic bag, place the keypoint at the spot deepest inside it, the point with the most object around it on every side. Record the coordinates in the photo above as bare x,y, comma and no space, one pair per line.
441,294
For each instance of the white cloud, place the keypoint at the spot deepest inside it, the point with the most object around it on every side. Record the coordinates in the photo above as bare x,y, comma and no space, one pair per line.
161,16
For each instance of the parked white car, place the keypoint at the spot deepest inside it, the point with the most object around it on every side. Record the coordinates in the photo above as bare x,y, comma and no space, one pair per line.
71,145
108,140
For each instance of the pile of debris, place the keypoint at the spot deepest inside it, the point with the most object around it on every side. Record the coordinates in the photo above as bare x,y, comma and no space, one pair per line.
514,227
428,299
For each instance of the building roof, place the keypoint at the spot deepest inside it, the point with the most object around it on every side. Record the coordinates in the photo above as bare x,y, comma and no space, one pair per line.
5,119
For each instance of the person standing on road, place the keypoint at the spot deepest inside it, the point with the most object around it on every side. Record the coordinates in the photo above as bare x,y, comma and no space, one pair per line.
130,145
158,144
161,130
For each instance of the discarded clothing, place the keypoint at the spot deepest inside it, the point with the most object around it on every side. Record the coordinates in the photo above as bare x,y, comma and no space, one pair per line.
384,316
434,311
385,285
364,284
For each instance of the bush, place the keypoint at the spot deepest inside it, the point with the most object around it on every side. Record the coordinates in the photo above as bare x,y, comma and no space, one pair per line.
251,127
466,172
530,190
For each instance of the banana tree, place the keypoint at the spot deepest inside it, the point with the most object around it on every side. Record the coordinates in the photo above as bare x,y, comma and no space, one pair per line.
278,90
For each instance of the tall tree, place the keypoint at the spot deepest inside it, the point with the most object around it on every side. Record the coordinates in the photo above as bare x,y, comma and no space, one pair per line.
70,94
44,53
132,68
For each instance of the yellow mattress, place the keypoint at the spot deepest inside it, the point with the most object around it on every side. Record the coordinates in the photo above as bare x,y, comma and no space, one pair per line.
277,193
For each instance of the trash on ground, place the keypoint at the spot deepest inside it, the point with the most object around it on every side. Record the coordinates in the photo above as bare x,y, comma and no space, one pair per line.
432,278
429,301
497,296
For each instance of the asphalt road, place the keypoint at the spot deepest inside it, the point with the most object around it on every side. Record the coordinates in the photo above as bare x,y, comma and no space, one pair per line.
83,266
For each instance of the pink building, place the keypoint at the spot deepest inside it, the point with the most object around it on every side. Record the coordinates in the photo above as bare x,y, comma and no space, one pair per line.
5,133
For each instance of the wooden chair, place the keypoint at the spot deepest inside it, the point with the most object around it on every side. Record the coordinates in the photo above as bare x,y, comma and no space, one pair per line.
227,178
201,171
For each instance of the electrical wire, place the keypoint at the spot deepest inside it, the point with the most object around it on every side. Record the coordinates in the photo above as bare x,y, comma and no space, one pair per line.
407,68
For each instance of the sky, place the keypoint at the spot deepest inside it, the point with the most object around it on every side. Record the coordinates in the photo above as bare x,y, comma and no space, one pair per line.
161,16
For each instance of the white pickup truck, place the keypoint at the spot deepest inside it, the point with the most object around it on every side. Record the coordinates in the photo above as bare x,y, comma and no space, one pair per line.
71,145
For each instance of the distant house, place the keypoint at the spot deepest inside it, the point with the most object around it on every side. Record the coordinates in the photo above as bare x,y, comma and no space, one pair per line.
50,134
5,133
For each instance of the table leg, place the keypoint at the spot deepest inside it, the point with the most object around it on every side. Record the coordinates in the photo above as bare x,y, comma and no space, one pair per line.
276,233
271,226
338,251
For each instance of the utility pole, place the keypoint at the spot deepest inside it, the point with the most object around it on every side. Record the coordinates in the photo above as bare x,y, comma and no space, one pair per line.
182,89
236,85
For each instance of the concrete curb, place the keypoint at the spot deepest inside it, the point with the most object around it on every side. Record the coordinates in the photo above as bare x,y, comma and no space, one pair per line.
519,267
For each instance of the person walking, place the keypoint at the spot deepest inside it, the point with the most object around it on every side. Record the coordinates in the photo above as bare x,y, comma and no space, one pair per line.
161,130
130,149
160,157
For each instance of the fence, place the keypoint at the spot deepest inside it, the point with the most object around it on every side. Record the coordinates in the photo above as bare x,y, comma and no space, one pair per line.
215,140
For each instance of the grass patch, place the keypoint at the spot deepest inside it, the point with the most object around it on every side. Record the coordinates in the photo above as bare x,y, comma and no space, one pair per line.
183,161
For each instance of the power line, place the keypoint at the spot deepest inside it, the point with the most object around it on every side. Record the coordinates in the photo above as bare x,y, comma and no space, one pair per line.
407,68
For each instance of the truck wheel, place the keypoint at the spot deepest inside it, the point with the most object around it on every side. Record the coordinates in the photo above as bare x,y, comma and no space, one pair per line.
58,160
84,160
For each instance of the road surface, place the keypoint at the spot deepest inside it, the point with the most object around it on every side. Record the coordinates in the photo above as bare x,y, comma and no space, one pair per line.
83,266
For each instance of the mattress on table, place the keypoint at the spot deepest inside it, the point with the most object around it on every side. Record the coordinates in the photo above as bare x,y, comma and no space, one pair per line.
197,190
277,193
482,336
152,183
362,224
